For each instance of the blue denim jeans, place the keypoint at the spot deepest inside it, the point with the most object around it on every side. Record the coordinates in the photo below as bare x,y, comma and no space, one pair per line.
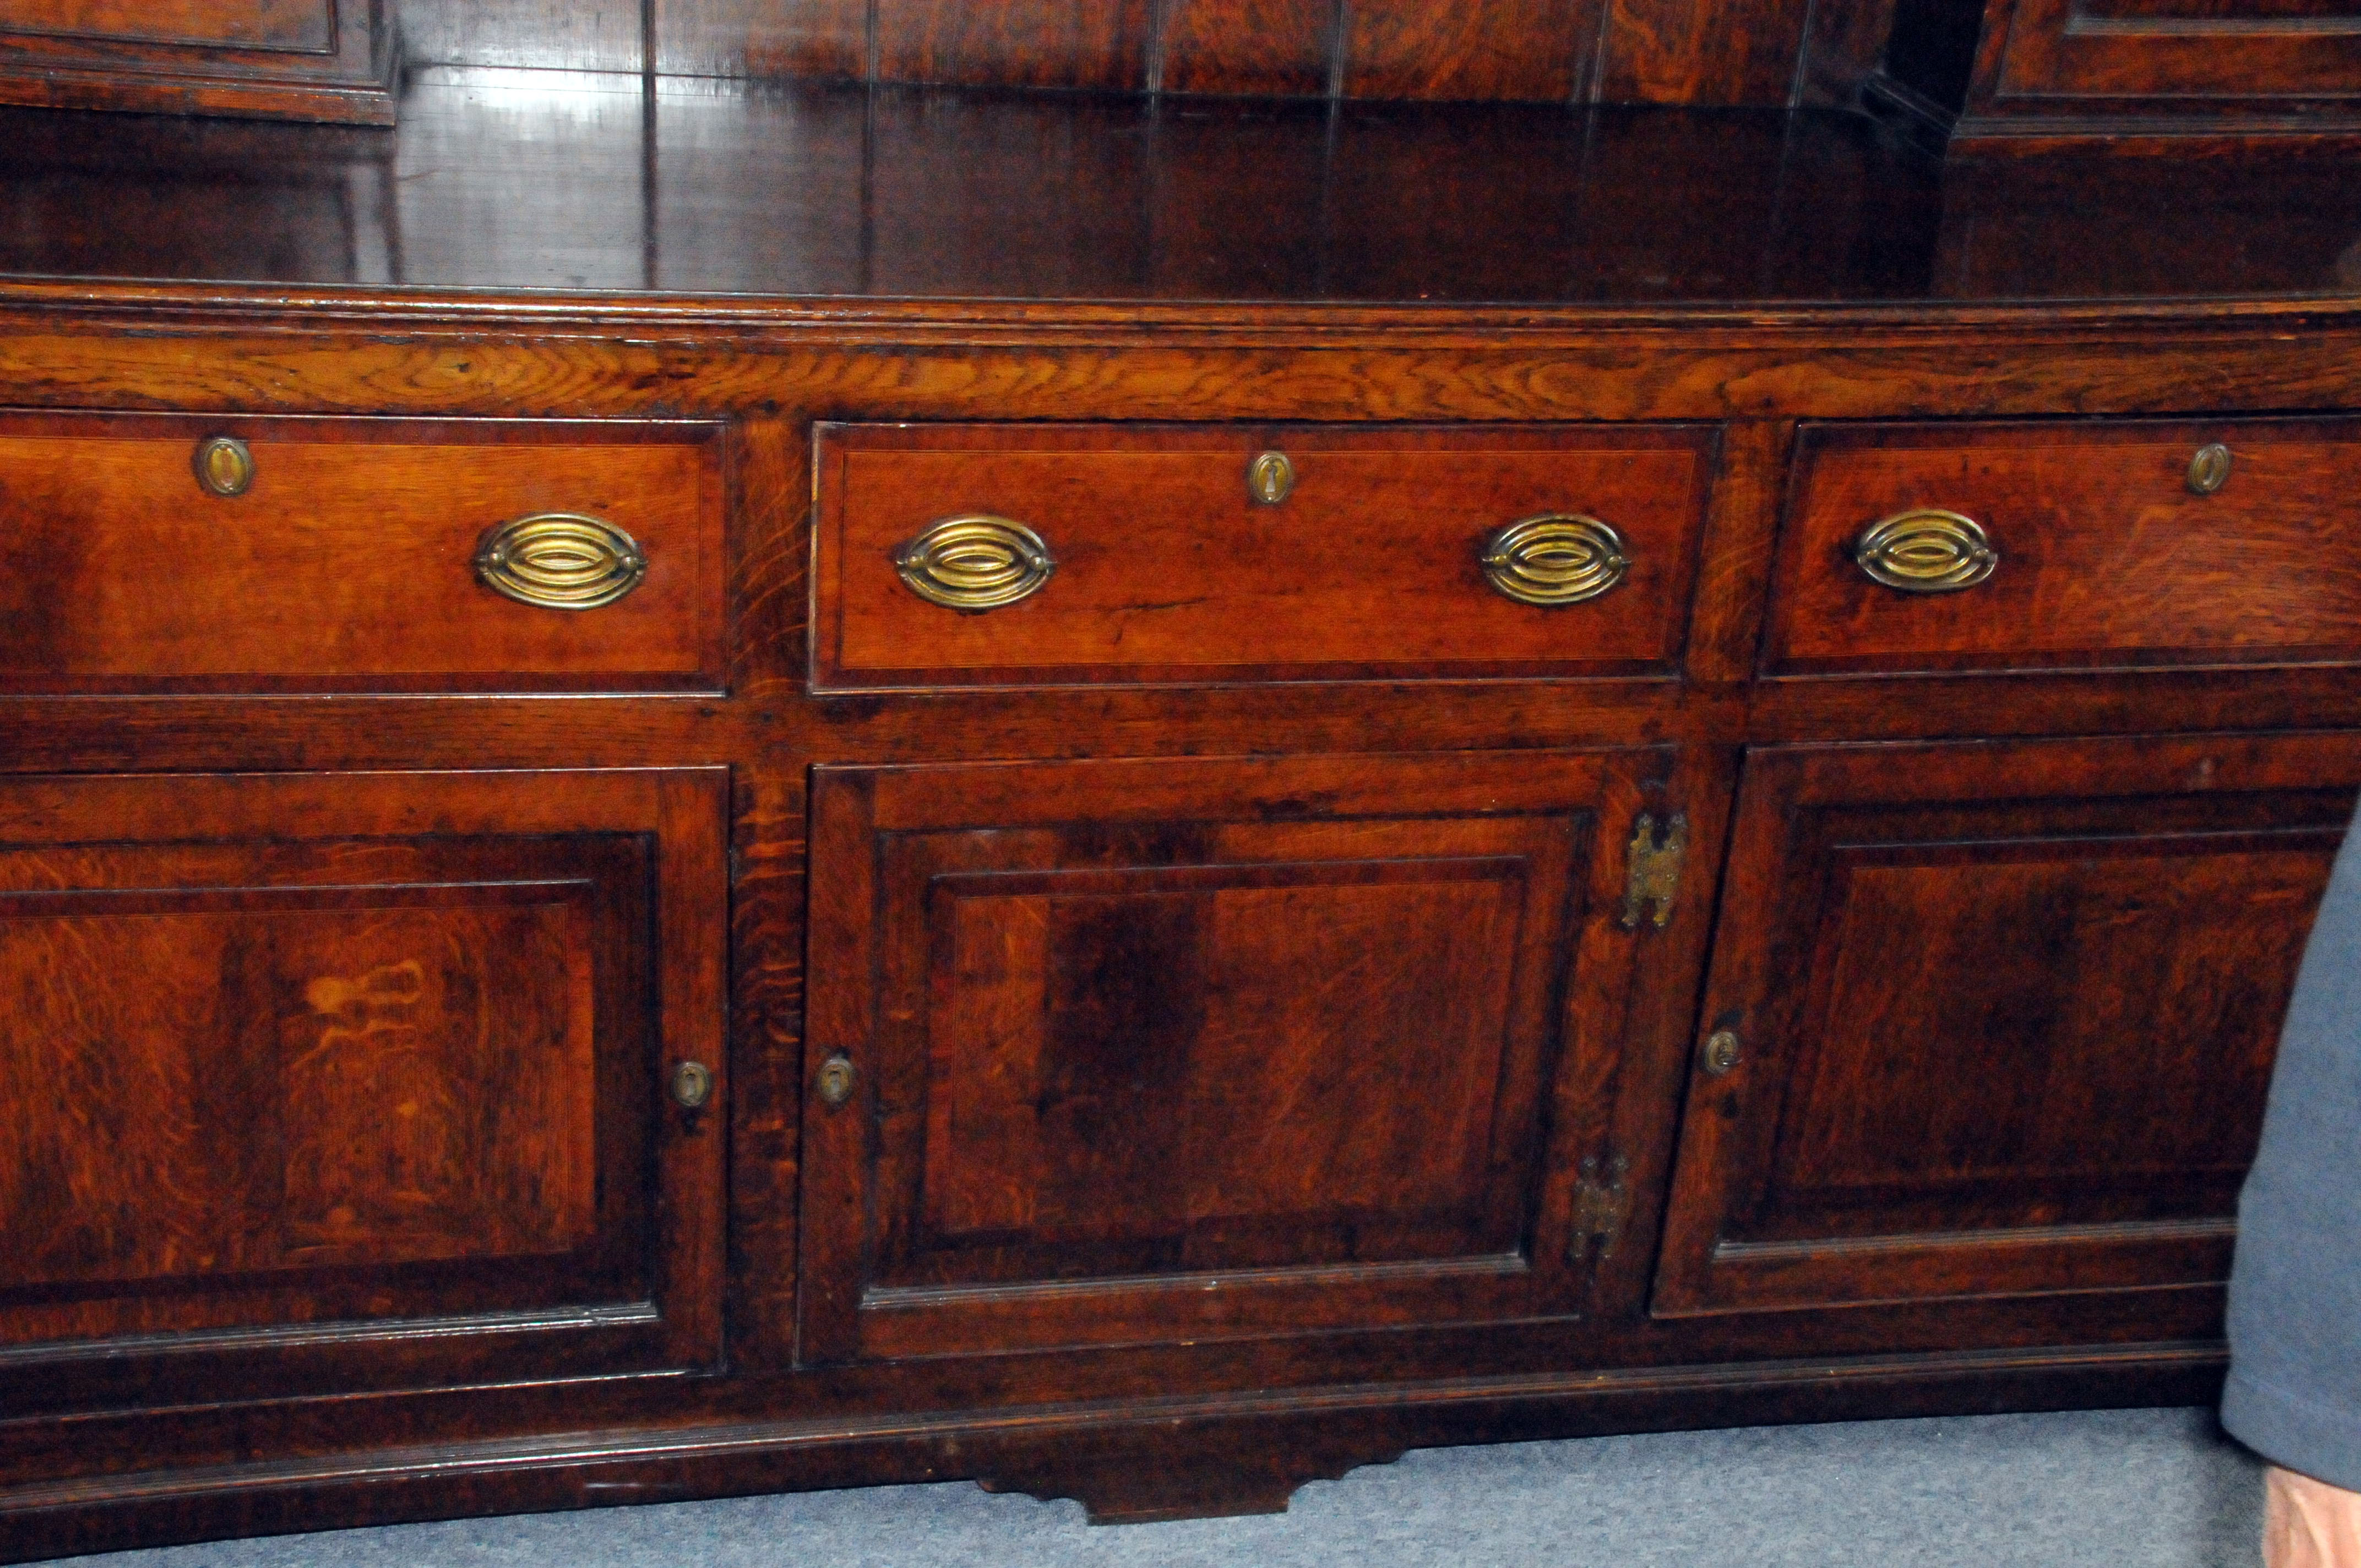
2294,1394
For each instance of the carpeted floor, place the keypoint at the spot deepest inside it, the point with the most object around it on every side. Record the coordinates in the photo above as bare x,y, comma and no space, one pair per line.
2110,1489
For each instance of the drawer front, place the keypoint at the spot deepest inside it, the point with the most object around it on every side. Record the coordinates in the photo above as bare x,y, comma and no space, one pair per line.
323,1081
2110,545
342,554
1168,567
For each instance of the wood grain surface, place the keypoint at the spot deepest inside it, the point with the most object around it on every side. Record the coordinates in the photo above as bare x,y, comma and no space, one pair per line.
1123,1026
2106,554
350,561
1169,569
2007,1016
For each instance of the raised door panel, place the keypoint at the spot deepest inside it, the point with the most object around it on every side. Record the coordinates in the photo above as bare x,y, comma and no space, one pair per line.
1994,1019
1199,1048
314,1081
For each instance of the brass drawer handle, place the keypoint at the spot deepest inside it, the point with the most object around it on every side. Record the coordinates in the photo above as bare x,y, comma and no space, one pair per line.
560,560
1557,558
224,466
975,563
2210,469
1927,551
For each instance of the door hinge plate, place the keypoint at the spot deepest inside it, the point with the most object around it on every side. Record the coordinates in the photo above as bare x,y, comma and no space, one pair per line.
1654,874
1601,1200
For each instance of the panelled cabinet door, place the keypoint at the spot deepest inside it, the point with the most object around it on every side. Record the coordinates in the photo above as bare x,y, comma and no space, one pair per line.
318,1082
1994,1019
1133,1051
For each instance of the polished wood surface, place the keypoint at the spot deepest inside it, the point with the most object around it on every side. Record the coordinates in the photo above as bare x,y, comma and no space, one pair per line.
298,1061
1168,568
1144,1064
764,261
296,59
2007,1016
575,182
349,562
1561,51
2106,553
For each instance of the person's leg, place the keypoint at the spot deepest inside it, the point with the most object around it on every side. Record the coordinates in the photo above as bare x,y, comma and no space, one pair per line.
2308,1523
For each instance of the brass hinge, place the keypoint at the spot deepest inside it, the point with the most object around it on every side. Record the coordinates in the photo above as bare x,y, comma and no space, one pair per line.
1599,1207
1654,872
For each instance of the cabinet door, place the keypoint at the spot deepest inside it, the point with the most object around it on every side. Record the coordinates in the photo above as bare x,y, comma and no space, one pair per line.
325,1081
1994,1019
1130,1051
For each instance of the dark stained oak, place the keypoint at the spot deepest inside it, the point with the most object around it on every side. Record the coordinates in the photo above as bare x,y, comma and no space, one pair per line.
1703,52
2007,1015
1169,569
349,561
569,182
1210,1049
1484,49
1309,990
297,1062
1265,47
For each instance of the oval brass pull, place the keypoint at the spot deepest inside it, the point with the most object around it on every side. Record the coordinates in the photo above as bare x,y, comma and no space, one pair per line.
1721,1051
1927,551
692,1085
1270,479
1557,558
975,563
836,1081
2210,469
560,560
224,466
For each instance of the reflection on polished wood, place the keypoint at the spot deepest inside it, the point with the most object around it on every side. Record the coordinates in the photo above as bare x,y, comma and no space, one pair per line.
543,179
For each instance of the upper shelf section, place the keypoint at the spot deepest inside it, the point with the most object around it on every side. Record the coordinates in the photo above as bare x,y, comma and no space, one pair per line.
507,181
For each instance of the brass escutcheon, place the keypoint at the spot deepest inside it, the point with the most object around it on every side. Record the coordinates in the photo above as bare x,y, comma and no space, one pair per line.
560,560
836,1081
2210,469
224,466
1557,558
1721,1049
1270,479
692,1084
975,563
1926,551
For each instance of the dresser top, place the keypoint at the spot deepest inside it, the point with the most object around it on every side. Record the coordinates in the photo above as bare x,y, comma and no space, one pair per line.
498,184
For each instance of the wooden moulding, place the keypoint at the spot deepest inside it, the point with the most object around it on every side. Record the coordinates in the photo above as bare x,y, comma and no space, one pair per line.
1132,1461
276,59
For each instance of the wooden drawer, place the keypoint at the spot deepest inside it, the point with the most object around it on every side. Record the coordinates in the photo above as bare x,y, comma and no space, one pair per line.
1167,568
349,561
2104,551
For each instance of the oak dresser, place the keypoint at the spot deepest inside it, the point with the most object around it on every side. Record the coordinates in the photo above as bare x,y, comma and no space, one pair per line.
713,780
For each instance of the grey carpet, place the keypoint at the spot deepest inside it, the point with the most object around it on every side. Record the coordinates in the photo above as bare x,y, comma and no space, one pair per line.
2122,1488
